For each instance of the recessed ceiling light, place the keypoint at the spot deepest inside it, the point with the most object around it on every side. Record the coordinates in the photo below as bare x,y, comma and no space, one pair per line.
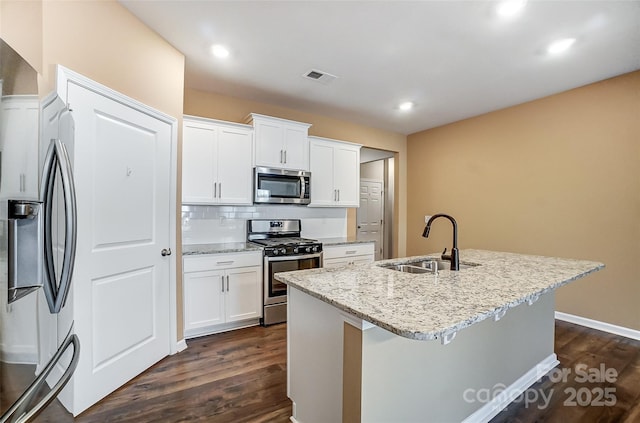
407,105
220,51
560,45
509,8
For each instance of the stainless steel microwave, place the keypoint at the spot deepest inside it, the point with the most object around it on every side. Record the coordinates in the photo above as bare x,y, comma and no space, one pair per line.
281,186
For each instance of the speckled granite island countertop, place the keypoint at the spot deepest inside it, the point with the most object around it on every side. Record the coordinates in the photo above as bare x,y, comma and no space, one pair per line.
426,306
218,248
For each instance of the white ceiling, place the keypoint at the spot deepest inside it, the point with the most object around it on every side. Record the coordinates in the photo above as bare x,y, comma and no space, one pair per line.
454,59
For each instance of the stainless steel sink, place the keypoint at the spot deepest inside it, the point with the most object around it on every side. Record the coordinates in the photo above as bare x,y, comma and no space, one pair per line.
407,268
442,264
426,266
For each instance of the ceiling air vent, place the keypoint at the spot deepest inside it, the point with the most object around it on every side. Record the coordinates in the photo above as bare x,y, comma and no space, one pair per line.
322,77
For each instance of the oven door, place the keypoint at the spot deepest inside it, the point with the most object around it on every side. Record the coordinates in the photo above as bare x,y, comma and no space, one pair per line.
275,292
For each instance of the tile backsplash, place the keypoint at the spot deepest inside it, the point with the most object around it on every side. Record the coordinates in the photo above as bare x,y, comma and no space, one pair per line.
216,224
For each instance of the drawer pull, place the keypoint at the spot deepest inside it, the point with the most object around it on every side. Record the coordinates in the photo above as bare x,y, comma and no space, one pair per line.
222,263
350,252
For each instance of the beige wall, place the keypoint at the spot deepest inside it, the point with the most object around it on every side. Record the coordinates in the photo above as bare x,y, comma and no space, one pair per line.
372,170
105,42
558,176
21,28
200,103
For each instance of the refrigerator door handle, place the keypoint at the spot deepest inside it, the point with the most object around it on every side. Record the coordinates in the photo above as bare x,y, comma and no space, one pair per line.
57,159
17,412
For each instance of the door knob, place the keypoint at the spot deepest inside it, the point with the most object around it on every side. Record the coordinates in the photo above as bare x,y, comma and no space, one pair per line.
165,252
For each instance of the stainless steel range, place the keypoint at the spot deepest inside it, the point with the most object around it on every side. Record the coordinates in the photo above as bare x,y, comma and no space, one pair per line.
284,251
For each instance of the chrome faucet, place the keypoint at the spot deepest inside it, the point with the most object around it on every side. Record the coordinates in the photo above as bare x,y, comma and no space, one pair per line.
454,257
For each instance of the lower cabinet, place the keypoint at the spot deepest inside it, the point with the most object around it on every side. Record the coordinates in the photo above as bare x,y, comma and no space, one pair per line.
343,255
221,292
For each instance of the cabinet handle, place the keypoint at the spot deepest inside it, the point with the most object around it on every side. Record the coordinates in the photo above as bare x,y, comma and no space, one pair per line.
338,194
222,280
350,252
219,189
285,156
281,157
227,283
215,190
22,182
224,262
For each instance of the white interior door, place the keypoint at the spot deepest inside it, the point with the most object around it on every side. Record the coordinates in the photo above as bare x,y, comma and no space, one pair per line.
370,214
122,165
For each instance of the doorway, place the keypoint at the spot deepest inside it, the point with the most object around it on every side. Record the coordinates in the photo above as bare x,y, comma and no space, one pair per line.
375,215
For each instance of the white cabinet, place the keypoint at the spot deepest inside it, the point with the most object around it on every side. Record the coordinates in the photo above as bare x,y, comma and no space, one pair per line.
216,162
19,144
280,143
335,173
221,292
343,255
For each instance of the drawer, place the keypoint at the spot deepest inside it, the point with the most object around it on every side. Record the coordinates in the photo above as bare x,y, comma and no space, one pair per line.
221,261
348,250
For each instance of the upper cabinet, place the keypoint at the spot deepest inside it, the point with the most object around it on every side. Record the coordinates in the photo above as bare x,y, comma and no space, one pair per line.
280,143
216,162
335,173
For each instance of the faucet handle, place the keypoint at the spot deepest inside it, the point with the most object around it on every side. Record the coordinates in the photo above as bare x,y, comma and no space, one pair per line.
444,255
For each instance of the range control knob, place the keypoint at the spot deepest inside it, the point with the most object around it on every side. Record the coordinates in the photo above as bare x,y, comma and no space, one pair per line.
295,250
308,249
274,251
315,249
283,250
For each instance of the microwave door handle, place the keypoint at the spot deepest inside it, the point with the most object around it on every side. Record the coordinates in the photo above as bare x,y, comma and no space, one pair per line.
303,189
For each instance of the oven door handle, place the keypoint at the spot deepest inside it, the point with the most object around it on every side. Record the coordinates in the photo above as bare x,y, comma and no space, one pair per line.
289,258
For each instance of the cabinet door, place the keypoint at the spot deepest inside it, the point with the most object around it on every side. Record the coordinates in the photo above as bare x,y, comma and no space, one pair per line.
234,166
203,299
321,163
296,148
243,298
198,167
346,175
336,262
269,144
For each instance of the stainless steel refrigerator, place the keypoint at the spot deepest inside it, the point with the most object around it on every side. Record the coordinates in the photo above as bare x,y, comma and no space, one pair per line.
37,242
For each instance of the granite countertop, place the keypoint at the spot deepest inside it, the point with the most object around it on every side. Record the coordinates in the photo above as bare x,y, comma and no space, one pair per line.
428,306
226,247
327,242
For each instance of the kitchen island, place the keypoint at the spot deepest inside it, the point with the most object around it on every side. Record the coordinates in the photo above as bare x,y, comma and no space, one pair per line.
371,344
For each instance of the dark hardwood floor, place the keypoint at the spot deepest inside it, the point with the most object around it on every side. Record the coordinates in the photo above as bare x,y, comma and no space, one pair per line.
240,376
559,397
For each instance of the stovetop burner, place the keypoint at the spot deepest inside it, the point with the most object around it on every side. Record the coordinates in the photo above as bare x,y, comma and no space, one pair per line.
284,241
281,237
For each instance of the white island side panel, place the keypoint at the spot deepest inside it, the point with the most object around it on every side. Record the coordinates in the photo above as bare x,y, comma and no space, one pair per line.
407,380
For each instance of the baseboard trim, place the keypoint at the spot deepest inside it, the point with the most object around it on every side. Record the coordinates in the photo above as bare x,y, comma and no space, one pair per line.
181,345
498,403
598,325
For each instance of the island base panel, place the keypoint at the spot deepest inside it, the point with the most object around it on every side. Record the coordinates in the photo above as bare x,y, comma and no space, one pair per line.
364,373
